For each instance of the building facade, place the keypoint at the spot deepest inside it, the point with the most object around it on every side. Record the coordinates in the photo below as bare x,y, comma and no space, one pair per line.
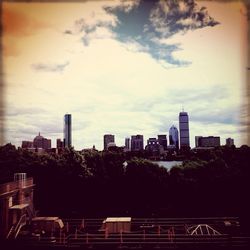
229,142
16,203
27,144
41,142
59,143
184,130
209,141
107,139
154,147
174,137
162,139
137,143
127,144
197,139
67,140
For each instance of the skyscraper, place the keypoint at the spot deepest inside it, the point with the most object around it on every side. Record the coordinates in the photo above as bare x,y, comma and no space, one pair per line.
108,139
174,137
127,144
67,140
137,143
184,130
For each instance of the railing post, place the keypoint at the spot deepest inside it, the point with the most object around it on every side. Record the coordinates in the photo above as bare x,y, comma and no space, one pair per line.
76,233
67,227
121,239
60,236
64,236
87,238
170,235
82,224
159,230
173,233
106,232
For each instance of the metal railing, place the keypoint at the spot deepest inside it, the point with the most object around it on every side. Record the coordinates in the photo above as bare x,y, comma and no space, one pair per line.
15,185
131,240
15,229
164,233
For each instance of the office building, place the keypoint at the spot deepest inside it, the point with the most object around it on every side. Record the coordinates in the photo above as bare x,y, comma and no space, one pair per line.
162,139
67,140
59,143
209,141
137,143
41,142
108,139
153,146
27,144
127,144
174,137
184,130
229,142
197,139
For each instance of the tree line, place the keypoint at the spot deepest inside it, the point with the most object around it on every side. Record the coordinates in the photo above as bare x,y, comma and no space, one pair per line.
98,184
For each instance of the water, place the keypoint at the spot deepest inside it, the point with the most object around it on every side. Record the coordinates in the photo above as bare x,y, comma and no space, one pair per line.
168,164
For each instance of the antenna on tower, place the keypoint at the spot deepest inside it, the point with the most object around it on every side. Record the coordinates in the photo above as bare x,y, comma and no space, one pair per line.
182,108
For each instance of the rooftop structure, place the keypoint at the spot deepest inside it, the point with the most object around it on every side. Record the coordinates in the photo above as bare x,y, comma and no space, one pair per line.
16,200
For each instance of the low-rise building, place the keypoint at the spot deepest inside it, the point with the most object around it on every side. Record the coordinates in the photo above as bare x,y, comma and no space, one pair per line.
209,141
16,202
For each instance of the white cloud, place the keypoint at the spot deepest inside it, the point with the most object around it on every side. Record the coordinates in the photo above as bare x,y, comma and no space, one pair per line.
112,87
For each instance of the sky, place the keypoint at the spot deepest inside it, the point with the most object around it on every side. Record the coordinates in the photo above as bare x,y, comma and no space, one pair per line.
123,68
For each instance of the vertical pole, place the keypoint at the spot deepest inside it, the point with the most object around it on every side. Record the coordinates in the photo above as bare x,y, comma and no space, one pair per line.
173,233
159,230
52,231
121,239
106,232
67,227
82,224
76,233
87,238
144,235
60,239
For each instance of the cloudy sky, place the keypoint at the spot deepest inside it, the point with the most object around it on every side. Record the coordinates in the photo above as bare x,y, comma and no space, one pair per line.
123,68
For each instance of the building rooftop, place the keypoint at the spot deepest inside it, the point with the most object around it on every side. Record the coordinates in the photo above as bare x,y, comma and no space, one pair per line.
20,206
118,219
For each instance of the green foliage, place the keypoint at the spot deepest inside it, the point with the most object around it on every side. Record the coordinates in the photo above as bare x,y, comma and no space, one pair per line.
96,183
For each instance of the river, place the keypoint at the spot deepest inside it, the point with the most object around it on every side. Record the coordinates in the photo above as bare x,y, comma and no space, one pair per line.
168,164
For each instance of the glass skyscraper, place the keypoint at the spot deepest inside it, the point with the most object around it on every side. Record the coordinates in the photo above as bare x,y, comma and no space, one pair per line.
174,137
184,130
67,131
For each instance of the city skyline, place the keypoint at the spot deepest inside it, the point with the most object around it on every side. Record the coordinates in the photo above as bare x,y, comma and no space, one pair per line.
109,139
119,69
